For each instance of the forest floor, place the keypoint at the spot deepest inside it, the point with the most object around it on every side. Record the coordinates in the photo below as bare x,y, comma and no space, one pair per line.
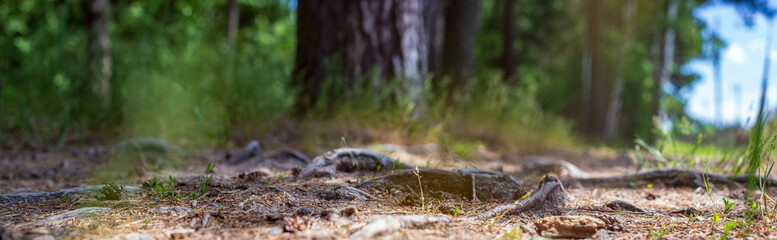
259,199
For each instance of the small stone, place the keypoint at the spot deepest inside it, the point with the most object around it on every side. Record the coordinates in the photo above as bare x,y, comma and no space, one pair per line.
568,226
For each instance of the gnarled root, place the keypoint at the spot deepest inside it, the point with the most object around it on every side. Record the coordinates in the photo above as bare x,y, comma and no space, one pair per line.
549,196
350,160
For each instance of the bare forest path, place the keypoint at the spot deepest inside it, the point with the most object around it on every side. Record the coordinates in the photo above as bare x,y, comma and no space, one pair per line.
150,189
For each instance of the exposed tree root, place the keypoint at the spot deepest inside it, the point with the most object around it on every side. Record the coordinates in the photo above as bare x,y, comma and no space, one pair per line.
387,224
467,183
668,177
253,149
346,193
45,196
350,160
549,196
253,159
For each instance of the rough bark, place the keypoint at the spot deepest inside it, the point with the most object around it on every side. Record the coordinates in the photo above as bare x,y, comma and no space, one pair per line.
99,48
340,41
462,22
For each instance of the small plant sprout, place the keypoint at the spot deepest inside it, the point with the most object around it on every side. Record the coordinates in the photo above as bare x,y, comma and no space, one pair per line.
514,233
394,166
706,179
420,186
729,226
499,216
728,204
456,211
209,170
64,199
715,217
660,233
203,191
173,180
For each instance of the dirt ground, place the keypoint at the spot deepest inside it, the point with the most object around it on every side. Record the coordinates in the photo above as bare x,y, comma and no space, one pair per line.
255,202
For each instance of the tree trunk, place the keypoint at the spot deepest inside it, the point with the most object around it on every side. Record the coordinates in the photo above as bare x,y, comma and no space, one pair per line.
433,24
668,54
342,40
233,23
462,22
99,48
599,89
612,125
508,59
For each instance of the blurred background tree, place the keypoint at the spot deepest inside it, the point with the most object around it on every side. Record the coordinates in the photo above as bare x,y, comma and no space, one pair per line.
205,70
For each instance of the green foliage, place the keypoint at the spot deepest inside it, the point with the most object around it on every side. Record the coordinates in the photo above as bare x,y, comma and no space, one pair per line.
203,191
513,234
658,234
728,205
110,191
729,226
173,77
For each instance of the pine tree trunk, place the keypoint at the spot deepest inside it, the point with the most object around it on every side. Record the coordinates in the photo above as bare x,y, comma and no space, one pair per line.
462,22
434,25
599,90
341,41
99,48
